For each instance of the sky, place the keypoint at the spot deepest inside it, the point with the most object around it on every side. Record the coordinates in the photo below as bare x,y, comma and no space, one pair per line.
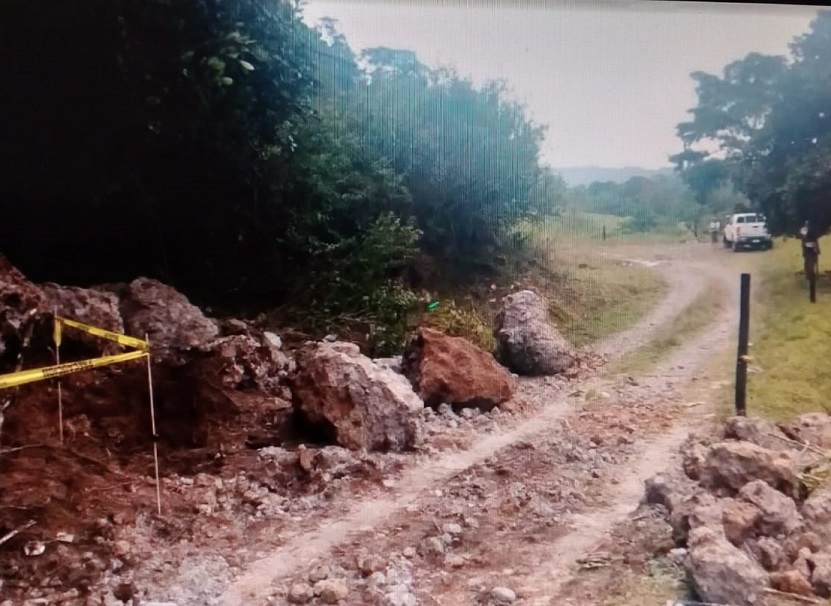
609,79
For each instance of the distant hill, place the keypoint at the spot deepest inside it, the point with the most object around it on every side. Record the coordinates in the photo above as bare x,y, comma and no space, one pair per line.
584,175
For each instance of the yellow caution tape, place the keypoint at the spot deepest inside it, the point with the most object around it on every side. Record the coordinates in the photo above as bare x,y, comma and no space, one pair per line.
56,334
106,334
59,370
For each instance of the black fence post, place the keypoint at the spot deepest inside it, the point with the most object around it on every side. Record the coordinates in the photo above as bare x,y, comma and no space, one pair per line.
604,233
812,282
744,337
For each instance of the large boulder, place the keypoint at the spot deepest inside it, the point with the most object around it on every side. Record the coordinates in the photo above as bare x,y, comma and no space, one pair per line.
728,466
92,307
452,370
778,514
361,405
526,342
174,325
721,572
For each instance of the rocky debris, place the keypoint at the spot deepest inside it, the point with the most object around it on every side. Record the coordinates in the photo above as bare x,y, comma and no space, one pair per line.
245,362
18,297
813,429
526,342
820,566
791,581
721,572
777,514
668,491
728,466
92,307
453,370
817,511
756,431
744,514
362,405
175,326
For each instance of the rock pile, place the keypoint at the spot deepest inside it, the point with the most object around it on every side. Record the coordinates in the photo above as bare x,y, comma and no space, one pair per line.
744,513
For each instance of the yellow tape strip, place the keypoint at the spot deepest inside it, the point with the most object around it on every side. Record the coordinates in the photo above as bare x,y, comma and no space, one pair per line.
50,372
106,334
56,333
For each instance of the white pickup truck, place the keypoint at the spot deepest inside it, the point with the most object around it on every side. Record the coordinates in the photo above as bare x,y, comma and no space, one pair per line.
747,230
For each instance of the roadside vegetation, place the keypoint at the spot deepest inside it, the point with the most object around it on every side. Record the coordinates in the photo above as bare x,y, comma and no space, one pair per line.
789,336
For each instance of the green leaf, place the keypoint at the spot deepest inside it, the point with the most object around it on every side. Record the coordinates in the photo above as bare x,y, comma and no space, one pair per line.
246,66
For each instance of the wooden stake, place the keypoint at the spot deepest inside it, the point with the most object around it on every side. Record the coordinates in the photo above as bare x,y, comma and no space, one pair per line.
153,428
58,361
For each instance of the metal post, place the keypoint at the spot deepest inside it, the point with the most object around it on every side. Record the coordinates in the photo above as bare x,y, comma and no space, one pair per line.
604,233
744,337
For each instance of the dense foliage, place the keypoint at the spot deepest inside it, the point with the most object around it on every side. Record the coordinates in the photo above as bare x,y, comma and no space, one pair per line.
770,118
229,149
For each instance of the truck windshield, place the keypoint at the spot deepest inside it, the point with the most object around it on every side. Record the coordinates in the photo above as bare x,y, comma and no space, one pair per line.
750,219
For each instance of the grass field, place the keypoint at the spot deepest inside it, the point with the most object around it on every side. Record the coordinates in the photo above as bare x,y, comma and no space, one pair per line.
592,296
790,337
574,228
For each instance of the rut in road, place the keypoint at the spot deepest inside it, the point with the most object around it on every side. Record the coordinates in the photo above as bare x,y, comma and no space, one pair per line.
557,565
299,551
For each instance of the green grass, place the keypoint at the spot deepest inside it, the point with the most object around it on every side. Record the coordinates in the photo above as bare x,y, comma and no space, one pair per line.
696,316
574,227
789,337
591,296
599,297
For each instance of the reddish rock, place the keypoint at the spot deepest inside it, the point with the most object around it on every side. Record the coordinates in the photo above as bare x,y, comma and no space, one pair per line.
721,572
791,581
452,370
777,513
362,405
739,520
730,465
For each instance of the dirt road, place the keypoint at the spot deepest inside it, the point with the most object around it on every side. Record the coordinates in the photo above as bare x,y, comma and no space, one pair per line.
506,520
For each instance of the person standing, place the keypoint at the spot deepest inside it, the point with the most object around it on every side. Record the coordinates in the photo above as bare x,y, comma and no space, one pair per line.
715,227
810,249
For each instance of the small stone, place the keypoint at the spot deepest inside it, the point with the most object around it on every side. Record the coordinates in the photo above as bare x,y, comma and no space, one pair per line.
454,561
300,593
319,574
377,578
503,595
370,564
333,591
452,529
431,546
409,552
